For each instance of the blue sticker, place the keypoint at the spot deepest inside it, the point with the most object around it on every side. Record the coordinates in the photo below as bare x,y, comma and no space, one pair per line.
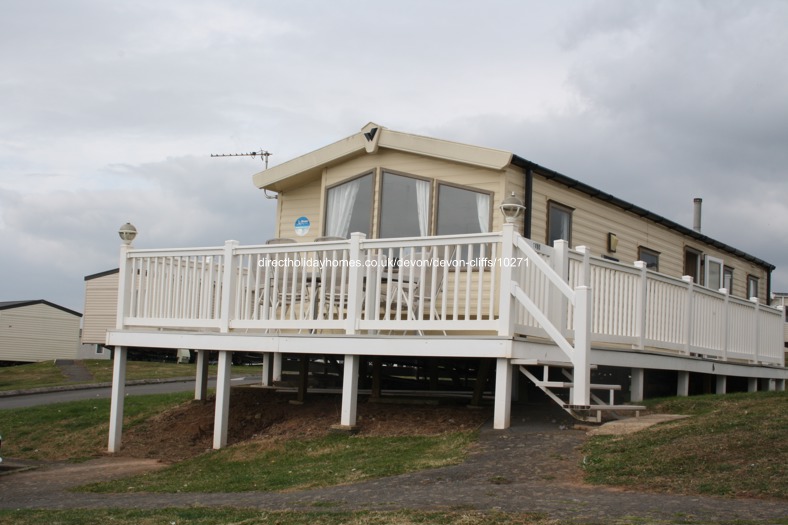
302,225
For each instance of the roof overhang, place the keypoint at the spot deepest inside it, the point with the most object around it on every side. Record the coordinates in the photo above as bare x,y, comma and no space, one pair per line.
368,141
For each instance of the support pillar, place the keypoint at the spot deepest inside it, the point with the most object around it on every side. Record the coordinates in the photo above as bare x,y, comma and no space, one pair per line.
752,384
303,377
780,385
722,384
683,386
481,381
222,410
772,384
266,380
118,398
636,385
201,380
377,365
503,394
349,393
277,368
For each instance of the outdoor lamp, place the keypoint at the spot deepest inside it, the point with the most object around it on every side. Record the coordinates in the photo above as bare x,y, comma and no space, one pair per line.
127,232
512,208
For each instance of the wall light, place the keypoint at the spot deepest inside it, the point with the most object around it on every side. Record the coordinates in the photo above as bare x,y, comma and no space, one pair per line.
612,242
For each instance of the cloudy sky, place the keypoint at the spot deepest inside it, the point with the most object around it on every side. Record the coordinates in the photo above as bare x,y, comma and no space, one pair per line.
109,111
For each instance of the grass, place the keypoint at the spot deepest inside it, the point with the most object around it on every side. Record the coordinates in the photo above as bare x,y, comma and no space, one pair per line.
210,516
299,464
73,430
47,374
734,445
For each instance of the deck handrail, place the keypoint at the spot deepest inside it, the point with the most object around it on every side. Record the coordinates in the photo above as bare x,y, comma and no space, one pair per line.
238,288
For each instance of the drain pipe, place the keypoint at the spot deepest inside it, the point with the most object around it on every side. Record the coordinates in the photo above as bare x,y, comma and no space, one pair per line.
697,216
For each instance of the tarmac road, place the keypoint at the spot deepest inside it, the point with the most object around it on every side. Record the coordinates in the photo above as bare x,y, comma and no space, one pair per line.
46,398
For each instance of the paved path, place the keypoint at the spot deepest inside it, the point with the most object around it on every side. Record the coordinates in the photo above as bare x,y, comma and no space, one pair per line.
530,468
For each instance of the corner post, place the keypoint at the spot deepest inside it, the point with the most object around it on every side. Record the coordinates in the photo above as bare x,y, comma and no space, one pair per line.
222,409
689,313
503,394
117,401
228,285
641,312
125,283
581,393
355,283
506,302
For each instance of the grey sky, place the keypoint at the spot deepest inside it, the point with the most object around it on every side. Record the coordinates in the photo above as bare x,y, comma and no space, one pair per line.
109,111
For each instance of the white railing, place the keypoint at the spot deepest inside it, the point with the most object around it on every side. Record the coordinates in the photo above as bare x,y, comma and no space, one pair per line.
436,285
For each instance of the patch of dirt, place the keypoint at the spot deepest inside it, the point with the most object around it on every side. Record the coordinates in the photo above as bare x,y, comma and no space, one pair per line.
261,414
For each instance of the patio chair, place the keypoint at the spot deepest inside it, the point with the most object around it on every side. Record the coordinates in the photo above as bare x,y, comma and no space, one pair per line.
281,281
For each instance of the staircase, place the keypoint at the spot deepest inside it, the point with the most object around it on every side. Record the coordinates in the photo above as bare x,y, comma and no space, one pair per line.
561,391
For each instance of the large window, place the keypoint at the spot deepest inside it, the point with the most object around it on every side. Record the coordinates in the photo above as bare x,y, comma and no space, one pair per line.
559,223
462,211
650,257
349,207
404,206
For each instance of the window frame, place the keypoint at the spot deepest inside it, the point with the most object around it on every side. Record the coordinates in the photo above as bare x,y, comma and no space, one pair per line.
649,251
436,207
750,280
561,207
698,265
379,214
371,172
728,271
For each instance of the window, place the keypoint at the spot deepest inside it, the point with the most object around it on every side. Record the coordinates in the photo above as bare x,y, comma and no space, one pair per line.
752,286
692,260
349,207
650,257
559,223
727,279
714,276
404,206
462,211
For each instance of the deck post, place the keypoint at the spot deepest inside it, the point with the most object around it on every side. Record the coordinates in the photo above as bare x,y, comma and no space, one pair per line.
558,302
201,382
118,398
355,283
722,384
752,384
266,369
228,284
503,394
689,314
726,323
277,368
683,384
222,409
581,392
349,392
641,311
636,385
756,322
506,303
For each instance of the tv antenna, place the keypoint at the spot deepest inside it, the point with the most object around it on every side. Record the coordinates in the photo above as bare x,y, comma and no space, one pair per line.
263,154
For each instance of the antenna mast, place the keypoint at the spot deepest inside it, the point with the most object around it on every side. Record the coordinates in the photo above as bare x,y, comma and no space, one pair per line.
263,154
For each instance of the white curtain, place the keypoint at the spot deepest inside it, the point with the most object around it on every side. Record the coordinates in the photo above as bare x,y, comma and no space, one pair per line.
340,208
483,212
423,203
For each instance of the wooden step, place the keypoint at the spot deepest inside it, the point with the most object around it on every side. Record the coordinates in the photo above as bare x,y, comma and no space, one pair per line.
605,407
565,384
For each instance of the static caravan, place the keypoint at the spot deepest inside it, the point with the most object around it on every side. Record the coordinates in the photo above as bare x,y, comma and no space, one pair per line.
37,330
393,249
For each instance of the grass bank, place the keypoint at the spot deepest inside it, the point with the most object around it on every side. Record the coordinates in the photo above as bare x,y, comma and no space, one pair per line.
76,429
734,445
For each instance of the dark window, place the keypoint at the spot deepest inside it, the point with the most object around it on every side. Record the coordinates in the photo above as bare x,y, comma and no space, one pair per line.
404,206
692,260
752,286
462,211
559,223
650,257
727,279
